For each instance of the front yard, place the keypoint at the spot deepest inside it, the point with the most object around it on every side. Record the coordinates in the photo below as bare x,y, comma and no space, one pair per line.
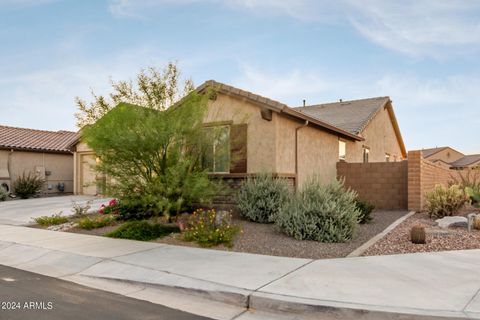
255,237
437,239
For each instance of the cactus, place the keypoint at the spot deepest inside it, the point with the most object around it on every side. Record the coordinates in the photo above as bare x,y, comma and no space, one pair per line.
476,223
418,235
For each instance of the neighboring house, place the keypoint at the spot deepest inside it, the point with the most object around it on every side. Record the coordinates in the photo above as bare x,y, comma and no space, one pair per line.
451,158
295,143
468,162
44,153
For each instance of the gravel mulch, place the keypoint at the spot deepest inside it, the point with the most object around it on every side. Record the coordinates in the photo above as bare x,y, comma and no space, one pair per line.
266,239
398,240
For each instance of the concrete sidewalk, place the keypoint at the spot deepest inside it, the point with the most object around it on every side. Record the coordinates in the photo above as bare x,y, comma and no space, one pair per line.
227,285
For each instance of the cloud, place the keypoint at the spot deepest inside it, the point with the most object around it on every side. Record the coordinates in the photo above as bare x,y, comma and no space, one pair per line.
44,98
431,111
418,28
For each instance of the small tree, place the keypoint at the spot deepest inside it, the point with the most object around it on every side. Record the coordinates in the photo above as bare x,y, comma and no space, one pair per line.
150,139
154,88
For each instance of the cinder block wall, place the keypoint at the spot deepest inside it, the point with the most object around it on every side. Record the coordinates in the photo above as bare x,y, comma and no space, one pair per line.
382,183
423,175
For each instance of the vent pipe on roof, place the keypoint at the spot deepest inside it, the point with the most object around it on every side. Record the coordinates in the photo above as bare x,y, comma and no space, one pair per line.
304,102
341,100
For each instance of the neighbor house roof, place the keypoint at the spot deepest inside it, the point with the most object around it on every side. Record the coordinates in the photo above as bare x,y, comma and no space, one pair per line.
352,116
432,151
277,107
36,140
466,161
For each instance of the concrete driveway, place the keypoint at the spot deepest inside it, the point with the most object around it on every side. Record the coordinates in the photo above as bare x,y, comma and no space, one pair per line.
22,212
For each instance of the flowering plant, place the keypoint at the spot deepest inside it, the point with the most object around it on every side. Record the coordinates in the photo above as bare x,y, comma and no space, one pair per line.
112,207
208,228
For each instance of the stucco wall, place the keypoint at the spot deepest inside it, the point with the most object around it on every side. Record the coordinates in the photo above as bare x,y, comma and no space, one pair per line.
380,137
59,165
261,134
317,150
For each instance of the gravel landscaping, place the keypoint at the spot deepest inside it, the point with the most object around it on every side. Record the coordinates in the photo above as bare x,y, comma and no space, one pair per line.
266,239
398,240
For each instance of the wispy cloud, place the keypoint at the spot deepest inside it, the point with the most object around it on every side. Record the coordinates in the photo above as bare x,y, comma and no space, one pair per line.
417,28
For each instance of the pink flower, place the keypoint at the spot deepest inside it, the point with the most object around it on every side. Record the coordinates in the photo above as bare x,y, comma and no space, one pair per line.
112,202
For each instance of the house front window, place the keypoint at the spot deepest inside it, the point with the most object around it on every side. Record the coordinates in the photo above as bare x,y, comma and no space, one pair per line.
217,159
366,153
342,150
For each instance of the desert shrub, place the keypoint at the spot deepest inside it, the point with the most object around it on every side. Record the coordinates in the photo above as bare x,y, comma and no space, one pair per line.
52,220
89,223
474,194
320,212
365,208
444,201
80,210
142,230
260,198
3,194
209,229
27,185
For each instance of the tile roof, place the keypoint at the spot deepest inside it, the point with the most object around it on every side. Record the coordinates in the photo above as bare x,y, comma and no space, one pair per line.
36,140
466,161
431,151
352,116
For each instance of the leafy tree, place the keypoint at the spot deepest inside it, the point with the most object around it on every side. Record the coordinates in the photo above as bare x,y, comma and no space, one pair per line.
152,153
154,88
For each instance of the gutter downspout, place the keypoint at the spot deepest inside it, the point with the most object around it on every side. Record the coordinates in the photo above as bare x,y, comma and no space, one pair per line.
296,151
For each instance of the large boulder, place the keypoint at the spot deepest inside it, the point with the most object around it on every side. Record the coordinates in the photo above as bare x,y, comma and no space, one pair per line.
453,221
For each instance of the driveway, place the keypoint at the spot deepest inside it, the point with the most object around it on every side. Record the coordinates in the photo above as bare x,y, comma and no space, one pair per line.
22,212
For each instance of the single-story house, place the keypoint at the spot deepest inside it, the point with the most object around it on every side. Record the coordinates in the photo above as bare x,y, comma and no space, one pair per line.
44,153
267,135
451,158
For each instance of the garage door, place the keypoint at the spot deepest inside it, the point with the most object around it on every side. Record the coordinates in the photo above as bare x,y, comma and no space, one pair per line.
88,175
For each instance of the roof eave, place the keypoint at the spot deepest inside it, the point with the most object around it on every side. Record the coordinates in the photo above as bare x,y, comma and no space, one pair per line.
35,150
277,107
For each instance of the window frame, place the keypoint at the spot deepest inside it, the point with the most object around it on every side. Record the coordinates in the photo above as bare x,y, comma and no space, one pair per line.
366,154
216,126
340,158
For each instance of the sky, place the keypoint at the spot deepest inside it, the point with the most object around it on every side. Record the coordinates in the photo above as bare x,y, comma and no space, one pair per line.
424,54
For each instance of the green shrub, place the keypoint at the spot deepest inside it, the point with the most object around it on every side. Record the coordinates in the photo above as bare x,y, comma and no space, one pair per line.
260,198
366,209
88,223
3,194
27,185
51,220
142,230
474,195
320,212
444,201
208,229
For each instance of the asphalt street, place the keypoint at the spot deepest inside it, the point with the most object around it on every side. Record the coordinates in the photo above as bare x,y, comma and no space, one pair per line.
26,295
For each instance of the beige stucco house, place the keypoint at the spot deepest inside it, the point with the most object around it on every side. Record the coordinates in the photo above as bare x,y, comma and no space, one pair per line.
44,153
451,158
295,143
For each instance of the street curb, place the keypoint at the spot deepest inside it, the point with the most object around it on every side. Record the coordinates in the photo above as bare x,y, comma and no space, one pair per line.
325,310
360,250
